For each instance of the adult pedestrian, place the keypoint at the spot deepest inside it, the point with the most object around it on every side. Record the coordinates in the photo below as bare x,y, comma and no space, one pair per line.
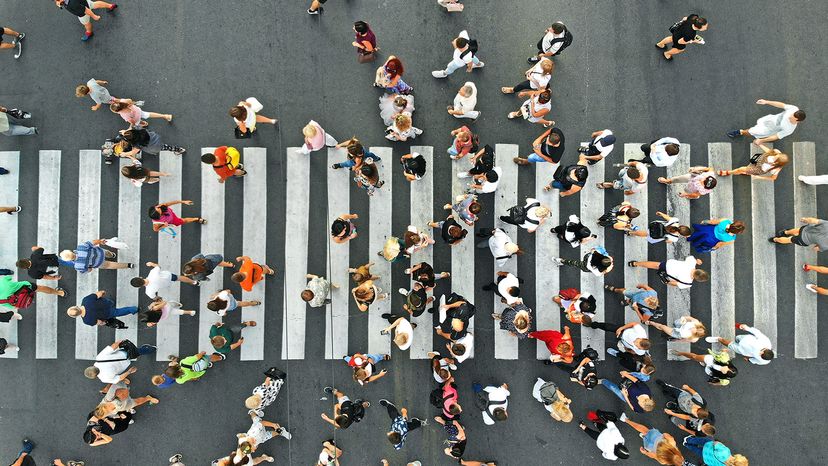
765,166
8,128
813,233
717,365
465,102
657,445
556,38
190,368
346,412
675,272
772,127
483,161
754,346
138,175
462,144
569,179
112,362
366,293
357,155
631,179
415,240
712,452
548,147
94,88
160,309
403,330
685,329
536,108
643,299
96,309
163,216
486,183
451,321
99,432
133,114
699,182
318,290
529,216
16,295
507,286
465,54
620,217
450,231
661,152
201,266
416,299
402,129
227,338
493,401
466,207
632,391
682,33
713,234
364,366
632,337
85,11
500,244
16,40
668,230
316,138
606,435
389,77
400,424
246,114
578,307
553,400
343,229
584,372
226,162
362,273
367,178
515,319
596,261
265,394
441,367
39,264
365,42
223,302
574,232
445,397
461,348
685,400
159,281
455,441
414,166
250,273
117,400
142,140
90,255
537,77
598,147
559,344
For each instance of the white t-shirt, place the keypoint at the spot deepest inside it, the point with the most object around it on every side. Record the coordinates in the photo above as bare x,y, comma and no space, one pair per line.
636,186
604,150
768,167
444,364
159,280
659,155
509,281
681,271
778,124
686,329
497,245
668,237
547,45
628,337
751,346
608,439
109,372
488,187
468,342
405,328
531,214
536,74
465,59
498,398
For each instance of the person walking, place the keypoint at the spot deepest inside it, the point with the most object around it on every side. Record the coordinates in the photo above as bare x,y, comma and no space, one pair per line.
245,115
85,11
316,138
507,286
402,129
163,216
765,166
620,217
553,400
632,178
94,88
400,424
343,229
755,346
529,216
365,42
569,179
661,152
493,401
190,368
346,412
548,147
223,302
699,182
96,309
317,292
159,309
657,445
537,77
465,54
632,337
404,330
574,232
675,272
559,344
772,127
226,162
226,338
7,128
366,293
357,155
462,144
578,307
391,105
632,391
717,365
684,399
451,231
414,166
682,33
141,140
389,77
112,362
556,38
515,319
606,434
133,114
813,233
536,108
668,229
685,329
266,393
39,264
465,102
89,255
364,366
596,261
250,273
643,299
500,244
159,281
585,372
16,40
201,266
17,295
713,234
598,147
712,452
138,175
466,207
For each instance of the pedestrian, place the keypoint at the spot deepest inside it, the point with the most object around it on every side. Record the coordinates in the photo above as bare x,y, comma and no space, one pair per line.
584,372
548,147
456,438
699,180
661,152
400,424
607,436
515,319
556,38
140,140
632,391
133,114
265,394
343,229
226,162
16,41
569,179
451,231
366,293
163,216
415,240
201,266
367,178
445,398
598,147
317,292
389,77
112,363
559,344
452,319
391,105
402,129
482,162
686,400
713,453
632,336
365,42
85,11
486,183
99,433
38,265
138,175
668,229
461,348
245,115
414,166
462,144
537,77
683,32
465,102
713,234
500,244
493,401
96,309
596,261
226,338
404,330
755,347
365,365
466,207
717,365
357,155
440,367
578,307
465,54
574,232
772,127
159,309
90,255
536,108
685,329
190,368
117,400
330,452
814,233
632,178
764,166
250,273
8,128
507,286
674,272
346,412
529,216
223,302
620,217
94,88
362,273
158,281
657,445
643,299
416,299
315,138
553,400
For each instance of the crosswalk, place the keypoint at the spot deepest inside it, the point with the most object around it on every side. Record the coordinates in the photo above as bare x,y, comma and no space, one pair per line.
422,208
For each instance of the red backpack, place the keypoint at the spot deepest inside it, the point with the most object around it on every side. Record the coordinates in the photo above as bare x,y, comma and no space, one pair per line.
22,298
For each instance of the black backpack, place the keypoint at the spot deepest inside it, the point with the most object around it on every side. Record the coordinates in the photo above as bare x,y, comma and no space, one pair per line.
566,41
520,214
657,230
473,47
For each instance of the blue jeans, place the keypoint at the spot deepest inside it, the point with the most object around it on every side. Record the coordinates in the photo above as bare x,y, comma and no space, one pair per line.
452,67
366,155
557,185
614,389
535,158
696,444
146,349
18,130
378,358
477,388
125,311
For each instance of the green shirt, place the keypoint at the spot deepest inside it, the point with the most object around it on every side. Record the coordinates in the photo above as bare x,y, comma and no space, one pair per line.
189,374
225,332
7,288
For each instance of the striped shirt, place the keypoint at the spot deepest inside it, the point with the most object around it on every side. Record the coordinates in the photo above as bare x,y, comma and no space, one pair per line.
87,257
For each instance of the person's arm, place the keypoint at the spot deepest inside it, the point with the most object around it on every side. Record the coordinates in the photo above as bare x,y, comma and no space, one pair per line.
629,376
394,325
102,439
380,375
689,390
624,327
810,220
100,294
123,377
237,344
772,103
682,416
344,143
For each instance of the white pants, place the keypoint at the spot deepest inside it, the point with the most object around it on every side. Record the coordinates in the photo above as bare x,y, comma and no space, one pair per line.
471,114
814,180
329,142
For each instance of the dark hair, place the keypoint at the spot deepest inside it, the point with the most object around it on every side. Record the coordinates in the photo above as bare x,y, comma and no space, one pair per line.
558,27
500,414
514,291
632,212
394,437
133,172
307,295
591,381
583,232
154,214
461,42
136,136
767,354
710,182
736,227
633,173
173,372
238,112
457,232
587,305
459,349
580,173
644,343
338,227
217,304
355,148
195,266
342,421
361,27
137,282
454,409
671,149
684,230
698,21
238,277
475,207
491,176
799,115
394,67
152,316
545,96
554,138
621,451
24,263
208,158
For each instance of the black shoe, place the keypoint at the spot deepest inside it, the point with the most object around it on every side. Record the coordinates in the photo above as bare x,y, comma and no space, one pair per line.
548,363
781,233
533,59
336,166
385,316
274,373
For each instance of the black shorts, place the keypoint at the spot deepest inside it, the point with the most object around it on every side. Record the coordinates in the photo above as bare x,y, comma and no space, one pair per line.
676,44
797,240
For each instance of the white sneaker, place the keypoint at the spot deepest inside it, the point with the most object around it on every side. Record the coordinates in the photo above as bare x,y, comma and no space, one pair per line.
712,339
463,175
284,433
623,417
403,291
811,287
479,65
439,74
558,261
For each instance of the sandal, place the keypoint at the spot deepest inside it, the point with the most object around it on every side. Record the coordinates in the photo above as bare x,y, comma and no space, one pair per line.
202,220
512,115
610,288
668,58
507,90
631,264
661,47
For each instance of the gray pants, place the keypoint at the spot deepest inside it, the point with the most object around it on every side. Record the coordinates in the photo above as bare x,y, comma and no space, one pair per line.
18,130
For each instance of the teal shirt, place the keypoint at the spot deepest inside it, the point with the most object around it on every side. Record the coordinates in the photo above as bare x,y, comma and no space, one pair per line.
228,337
721,231
715,453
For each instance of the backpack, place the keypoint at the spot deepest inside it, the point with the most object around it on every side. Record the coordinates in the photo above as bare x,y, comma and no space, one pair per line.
520,214
566,41
657,230
549,393
436,397
473,47
22,298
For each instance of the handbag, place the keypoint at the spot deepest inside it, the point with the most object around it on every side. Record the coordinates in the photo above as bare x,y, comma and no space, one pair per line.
130,349
242,135
366,57
380,79
116,324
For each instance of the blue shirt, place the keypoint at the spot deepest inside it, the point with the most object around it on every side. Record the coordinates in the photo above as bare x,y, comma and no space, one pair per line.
400,425
167,382
715,453
88,256
97,309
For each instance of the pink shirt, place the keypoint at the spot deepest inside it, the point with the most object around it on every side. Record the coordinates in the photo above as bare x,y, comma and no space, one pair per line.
696,184
131,114
318,141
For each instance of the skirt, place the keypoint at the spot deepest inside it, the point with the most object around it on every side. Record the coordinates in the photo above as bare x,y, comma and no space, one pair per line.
703,238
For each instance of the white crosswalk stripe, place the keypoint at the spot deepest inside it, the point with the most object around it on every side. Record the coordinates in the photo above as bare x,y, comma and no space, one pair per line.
462,253
635,248
721,264
506,196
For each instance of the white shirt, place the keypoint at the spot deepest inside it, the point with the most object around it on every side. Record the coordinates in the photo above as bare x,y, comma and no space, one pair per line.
224,295
509,281
536,74
659,154
468,342
497,245
444,364
466,104
686,329
681,271
608,439
465,59
109,372
628,337
498,398
637,186
604,150
531,214
536,393
158,281
488,187
778,124
751,346
405,328
548,46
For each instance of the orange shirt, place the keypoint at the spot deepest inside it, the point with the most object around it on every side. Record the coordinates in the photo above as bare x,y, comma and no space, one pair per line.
254,273
225,165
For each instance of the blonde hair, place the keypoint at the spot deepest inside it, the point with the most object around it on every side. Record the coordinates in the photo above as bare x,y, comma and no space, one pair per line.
699,331
102,410
157,380
218,341
561,411
402,121
253,402
521,323
309,130
401,339
547,65
647,405
82,90
667,453
542,212
67,255
737,460
73,311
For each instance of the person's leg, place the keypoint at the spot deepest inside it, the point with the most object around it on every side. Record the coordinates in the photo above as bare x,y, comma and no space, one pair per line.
641,428
9,210
663,328
20,130
165,116
346,164
524,86
613,388
100,4
669,390
646,264
815,268
116,265
451,68
664,42
146,349
694,357
605,326
574,263
393,413
473,114
314,7
414,423
592,433
145,399
264,119
248,303
814,180
696,444
125,311
49,290
681,178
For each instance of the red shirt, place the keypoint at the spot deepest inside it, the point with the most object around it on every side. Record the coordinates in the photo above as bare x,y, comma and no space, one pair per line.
220,165
553,338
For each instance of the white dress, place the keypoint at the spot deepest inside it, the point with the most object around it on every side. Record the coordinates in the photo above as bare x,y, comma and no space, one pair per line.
388,110
254,108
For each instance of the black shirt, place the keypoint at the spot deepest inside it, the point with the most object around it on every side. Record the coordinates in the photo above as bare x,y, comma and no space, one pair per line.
565,176
685,30
41,263
448,223
553,152
415,166
76,7
424,274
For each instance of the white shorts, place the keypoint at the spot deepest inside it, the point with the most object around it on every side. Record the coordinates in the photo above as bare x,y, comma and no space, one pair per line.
144,115
85,19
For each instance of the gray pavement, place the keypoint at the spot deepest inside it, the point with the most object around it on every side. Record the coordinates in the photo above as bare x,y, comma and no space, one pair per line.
196,59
